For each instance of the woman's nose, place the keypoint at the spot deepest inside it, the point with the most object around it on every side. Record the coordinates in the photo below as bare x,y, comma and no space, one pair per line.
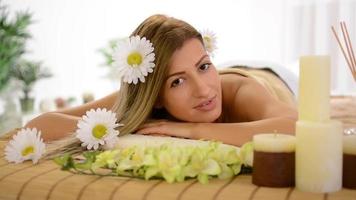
201,87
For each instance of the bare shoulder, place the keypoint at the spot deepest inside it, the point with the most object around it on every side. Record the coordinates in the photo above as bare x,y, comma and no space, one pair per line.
231,81
105,102
231,85
245,99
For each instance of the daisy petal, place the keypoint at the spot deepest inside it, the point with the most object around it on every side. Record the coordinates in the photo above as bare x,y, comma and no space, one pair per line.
98,128
27,144
209,39
134,55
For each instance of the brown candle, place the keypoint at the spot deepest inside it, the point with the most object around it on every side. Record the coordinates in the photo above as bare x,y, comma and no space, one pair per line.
349,162
274,160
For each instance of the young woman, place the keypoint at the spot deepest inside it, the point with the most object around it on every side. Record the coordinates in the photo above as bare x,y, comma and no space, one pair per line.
185,96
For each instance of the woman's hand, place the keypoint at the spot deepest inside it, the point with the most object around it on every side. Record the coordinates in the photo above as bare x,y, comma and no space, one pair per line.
168,128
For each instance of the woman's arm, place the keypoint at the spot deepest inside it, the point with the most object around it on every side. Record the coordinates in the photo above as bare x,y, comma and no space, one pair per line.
239,133
105,102
57,124
54,125
229,133
264,114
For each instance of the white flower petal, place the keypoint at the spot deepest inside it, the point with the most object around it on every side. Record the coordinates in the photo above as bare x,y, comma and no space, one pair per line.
25,138
210,41
142,46
93,118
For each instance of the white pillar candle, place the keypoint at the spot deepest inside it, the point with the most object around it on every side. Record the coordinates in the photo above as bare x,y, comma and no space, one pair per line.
274,143
273,160
314,86
319,156
349,165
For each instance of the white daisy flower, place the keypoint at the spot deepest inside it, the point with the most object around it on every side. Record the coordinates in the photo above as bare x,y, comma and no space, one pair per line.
134,59
96,128
209,39
27,144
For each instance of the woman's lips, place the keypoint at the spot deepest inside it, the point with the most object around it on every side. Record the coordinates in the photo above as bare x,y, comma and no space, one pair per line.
207,105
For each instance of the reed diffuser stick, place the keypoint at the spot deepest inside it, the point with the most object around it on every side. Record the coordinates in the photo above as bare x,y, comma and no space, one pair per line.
350,57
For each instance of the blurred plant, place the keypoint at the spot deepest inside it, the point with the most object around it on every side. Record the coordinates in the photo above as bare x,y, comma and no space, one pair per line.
27,73
88,97
107,53
13,36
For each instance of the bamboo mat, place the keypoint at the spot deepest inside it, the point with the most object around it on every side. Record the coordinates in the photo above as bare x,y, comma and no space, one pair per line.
46,181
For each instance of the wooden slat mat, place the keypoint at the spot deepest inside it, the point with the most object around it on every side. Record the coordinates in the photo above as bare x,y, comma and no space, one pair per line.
46,181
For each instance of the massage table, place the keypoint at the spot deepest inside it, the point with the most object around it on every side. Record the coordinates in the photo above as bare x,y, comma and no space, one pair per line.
46,180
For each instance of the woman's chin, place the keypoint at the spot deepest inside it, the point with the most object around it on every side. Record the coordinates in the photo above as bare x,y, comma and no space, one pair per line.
208,117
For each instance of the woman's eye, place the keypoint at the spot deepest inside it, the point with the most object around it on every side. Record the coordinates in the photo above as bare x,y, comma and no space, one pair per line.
204,66
176,82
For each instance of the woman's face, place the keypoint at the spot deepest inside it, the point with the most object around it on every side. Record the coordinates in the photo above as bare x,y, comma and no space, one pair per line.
192,90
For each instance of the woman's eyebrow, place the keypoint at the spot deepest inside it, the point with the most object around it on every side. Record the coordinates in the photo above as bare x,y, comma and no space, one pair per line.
183,72
196,64
174,74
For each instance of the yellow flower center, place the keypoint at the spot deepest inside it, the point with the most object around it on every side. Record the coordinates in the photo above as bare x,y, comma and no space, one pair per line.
99,131
27,150
134,58
207,38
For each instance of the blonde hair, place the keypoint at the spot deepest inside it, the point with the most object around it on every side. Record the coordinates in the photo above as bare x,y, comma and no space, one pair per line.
135,103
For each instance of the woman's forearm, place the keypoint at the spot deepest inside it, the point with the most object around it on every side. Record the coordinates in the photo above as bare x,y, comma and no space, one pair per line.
54,125
239,133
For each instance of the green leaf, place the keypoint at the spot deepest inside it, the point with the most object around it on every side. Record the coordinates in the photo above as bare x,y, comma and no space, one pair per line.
66,162
91,155
85,165
60,160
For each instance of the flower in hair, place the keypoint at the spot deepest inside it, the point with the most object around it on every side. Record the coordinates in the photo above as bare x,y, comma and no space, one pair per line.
97,128
209,39
27,144
134,59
